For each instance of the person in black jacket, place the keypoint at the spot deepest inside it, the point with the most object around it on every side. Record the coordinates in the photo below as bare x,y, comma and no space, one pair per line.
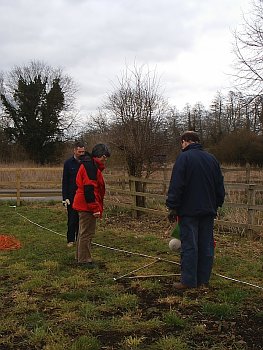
196,191
69,187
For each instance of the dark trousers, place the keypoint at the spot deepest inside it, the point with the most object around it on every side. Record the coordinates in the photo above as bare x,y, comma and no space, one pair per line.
197,249
73,224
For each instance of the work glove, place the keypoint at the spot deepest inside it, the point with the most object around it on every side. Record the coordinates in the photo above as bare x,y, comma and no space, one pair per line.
172,216
66,202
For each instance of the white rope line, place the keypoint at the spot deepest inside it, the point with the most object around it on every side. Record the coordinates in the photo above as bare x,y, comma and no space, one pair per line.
140,268
147,276
45,228
139,254
235,280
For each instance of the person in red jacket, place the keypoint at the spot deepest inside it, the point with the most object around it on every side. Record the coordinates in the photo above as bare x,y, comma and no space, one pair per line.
88,200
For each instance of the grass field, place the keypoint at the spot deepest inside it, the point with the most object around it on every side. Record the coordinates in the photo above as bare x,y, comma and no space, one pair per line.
49,303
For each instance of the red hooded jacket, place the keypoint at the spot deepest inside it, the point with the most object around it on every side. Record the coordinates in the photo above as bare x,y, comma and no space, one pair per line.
91,187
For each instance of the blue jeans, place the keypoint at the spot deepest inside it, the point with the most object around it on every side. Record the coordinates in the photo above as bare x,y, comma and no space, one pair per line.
197,249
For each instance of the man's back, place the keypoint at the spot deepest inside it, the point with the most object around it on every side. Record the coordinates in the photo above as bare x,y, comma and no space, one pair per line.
197,183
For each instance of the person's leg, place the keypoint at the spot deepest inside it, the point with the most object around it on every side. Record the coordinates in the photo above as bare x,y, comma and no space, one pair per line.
73,224
189,250
87,226
205,249
76,220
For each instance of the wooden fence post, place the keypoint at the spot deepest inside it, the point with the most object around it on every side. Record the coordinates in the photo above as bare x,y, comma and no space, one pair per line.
249,195
247,173
133,191
164,178
250,212
123,179
18,187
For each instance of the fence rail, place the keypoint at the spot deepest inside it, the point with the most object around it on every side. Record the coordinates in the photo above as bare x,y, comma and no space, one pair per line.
22,183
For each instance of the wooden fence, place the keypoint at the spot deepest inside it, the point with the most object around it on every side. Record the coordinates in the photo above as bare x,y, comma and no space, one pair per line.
242,209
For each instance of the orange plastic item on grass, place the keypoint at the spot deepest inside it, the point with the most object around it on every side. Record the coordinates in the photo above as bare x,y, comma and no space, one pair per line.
9,242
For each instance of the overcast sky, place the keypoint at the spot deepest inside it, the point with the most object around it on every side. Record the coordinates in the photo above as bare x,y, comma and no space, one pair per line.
187,42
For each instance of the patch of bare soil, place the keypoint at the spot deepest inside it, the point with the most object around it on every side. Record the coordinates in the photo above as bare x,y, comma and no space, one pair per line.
245,330
143,224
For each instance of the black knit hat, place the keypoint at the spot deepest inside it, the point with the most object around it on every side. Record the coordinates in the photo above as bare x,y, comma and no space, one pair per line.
100,150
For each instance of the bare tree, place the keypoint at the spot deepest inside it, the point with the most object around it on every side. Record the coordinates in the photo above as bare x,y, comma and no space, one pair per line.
248,49
138,114
214,122
254,115
235,112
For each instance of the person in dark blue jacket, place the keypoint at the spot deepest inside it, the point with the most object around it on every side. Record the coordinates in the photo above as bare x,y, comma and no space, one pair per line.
196,191
69,187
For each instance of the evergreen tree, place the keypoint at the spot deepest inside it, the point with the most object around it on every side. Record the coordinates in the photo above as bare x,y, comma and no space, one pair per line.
33,110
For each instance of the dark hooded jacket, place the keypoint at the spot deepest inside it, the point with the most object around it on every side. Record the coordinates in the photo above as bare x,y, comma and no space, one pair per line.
196,186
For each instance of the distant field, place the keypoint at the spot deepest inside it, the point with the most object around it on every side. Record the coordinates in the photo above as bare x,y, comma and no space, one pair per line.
54,173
